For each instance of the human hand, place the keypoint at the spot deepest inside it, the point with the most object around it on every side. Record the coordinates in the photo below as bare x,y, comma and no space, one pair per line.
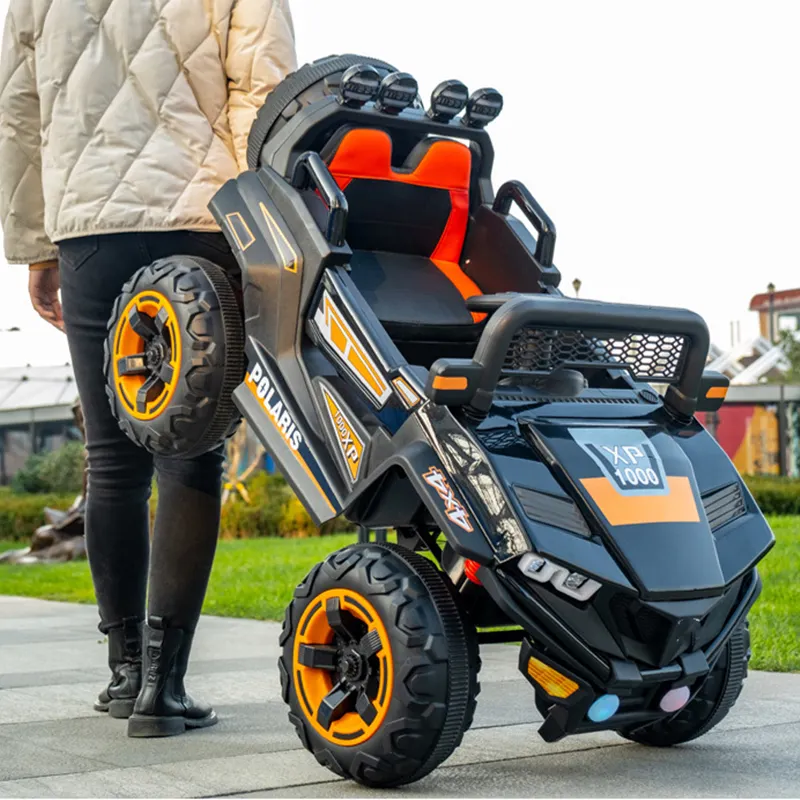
43,286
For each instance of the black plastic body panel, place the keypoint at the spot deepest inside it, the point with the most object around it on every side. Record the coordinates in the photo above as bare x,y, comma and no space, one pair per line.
497,255
500,472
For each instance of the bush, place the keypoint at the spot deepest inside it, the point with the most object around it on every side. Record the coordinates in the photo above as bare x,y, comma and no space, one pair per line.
775,495
57,472
273,510
22,514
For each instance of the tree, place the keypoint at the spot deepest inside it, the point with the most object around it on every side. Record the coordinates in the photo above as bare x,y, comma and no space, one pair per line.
791,347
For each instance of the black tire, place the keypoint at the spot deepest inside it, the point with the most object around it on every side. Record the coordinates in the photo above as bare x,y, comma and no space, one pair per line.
710,705
287,93
433,658
198,412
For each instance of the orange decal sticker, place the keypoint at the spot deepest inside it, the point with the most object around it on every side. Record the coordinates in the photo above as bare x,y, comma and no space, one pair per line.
240,230
407,395
678,505
340,336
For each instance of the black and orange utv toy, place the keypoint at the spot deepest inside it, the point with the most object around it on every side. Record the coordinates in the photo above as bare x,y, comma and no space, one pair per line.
398,341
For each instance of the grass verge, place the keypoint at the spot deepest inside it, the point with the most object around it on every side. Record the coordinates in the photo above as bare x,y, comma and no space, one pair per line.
255,578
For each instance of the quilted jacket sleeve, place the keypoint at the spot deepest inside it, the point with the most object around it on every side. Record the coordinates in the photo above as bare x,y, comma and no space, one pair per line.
21,198
260,54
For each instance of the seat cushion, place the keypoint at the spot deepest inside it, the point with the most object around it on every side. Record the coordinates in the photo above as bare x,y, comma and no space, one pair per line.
419,306
408,290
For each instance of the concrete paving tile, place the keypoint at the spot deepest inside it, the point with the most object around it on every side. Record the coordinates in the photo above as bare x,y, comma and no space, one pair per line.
133,782
25,680
24,759
238,774
39,635
26,787
254,728
24,705
15,607
750,764
239,687
45,656
505,703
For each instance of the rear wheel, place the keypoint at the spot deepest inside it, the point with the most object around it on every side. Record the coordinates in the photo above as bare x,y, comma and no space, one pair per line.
174,355
379,666
710,705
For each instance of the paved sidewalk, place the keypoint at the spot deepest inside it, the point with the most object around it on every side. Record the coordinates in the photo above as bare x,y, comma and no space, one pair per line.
53,744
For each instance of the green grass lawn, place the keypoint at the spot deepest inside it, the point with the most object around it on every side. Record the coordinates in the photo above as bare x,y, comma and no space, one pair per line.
255,578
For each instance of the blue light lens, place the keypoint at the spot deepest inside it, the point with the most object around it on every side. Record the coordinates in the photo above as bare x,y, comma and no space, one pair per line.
603,708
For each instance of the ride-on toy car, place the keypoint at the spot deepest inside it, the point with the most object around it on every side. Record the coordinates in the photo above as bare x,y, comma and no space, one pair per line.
398,341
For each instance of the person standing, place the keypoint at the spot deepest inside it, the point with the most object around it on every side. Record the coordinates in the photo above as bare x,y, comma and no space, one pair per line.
119,120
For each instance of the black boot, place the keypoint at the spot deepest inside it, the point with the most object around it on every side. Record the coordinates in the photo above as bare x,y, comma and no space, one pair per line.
163,708
125,660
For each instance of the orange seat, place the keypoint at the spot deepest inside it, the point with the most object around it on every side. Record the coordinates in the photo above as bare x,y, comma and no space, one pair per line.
406,227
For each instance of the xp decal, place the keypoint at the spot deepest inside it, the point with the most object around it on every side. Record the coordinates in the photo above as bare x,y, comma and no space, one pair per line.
453,508
350,443
626,457
635,489
339,335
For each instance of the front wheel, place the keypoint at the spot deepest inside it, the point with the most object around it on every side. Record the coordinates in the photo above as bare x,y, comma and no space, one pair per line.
711,703
379,665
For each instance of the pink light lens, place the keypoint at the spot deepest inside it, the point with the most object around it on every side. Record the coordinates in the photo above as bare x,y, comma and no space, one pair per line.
675,699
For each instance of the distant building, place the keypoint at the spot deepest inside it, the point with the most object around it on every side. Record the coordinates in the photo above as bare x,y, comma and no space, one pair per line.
35,413
783,308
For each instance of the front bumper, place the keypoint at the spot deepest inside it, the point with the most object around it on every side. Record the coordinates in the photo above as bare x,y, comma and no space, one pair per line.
550,640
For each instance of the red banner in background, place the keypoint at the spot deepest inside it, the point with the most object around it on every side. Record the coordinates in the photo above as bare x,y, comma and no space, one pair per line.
749,435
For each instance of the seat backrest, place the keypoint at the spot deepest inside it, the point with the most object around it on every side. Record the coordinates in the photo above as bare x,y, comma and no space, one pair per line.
420,208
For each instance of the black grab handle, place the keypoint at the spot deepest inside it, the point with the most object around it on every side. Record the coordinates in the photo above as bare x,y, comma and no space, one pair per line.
310,168
561,313
516,192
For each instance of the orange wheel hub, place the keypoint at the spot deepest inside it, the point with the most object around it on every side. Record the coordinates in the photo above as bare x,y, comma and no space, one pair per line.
343,668
147,355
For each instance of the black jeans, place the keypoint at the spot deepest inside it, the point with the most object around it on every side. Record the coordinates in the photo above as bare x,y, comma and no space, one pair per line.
93,271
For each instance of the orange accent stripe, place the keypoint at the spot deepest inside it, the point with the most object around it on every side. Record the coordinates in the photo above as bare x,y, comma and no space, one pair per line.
241,231
456,383
355,355
300,459
716,392
409,397
283,248
677,506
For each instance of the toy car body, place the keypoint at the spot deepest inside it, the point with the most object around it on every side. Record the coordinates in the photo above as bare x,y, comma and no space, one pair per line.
412,365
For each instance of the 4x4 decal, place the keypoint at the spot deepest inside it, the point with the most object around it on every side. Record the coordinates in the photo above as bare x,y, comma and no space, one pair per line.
453,508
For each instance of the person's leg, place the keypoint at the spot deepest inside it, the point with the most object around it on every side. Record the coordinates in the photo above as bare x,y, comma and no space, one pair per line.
184,543
93,271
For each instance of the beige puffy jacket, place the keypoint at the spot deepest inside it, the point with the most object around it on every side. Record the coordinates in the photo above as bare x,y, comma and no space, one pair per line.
128,115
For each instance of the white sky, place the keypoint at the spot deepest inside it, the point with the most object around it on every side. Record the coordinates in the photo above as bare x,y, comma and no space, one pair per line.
662,138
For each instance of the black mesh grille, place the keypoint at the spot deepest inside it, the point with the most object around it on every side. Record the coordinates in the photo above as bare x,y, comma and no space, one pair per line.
560,512
724,505
650,357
